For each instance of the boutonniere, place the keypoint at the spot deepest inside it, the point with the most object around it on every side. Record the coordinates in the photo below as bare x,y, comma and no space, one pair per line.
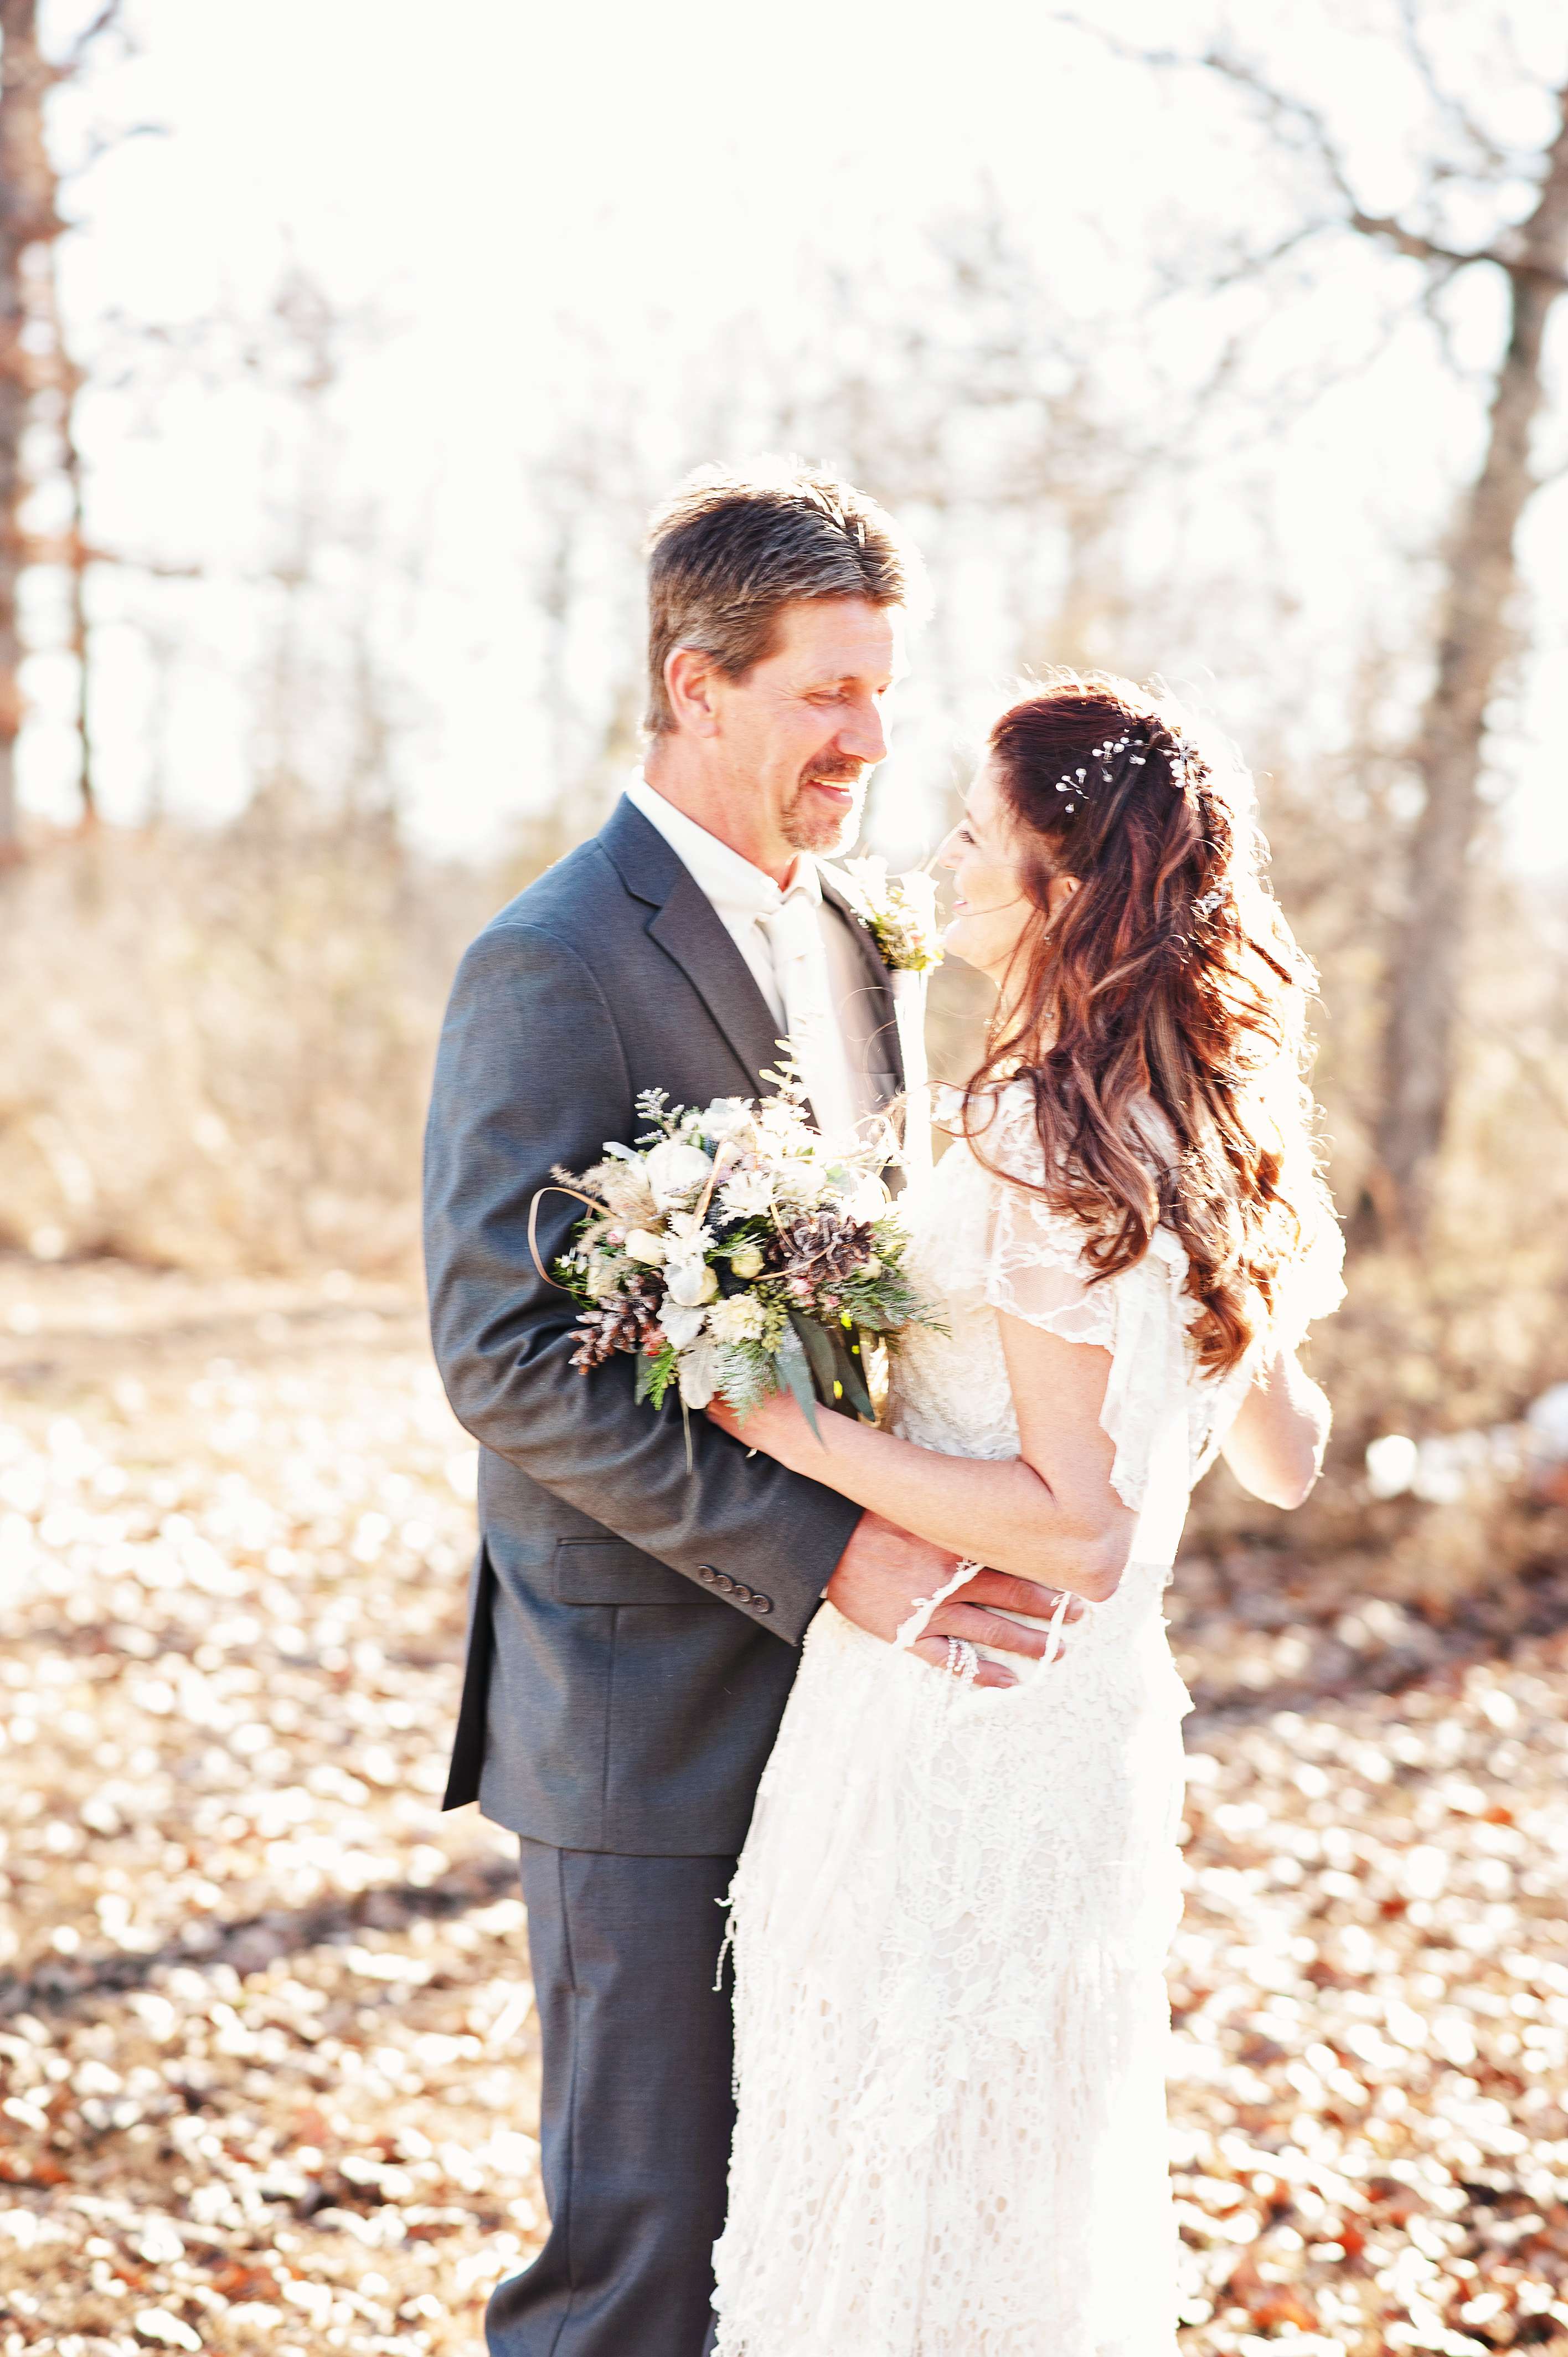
899,912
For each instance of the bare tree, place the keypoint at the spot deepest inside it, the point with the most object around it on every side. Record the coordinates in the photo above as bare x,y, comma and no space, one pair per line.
1479,595
35,368
1467,168
27,217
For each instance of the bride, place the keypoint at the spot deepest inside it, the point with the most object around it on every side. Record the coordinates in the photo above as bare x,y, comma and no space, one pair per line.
951,1917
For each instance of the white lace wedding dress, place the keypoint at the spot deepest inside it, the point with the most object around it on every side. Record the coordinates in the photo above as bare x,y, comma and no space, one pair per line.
952,1910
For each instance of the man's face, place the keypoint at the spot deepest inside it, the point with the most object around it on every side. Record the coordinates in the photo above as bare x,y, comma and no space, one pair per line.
801,733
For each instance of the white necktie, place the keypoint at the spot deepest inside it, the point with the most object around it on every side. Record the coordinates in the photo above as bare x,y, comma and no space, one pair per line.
800,957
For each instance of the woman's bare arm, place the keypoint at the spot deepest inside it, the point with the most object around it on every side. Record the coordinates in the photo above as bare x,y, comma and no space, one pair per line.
1048,1514
1276,1445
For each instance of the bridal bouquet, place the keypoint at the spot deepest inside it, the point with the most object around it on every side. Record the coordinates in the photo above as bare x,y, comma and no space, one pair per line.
734,1253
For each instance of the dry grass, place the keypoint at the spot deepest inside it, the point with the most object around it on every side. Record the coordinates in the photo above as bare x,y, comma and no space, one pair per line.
218,1047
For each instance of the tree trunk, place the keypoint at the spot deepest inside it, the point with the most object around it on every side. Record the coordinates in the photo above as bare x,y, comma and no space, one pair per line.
26,215
79,559
1482,583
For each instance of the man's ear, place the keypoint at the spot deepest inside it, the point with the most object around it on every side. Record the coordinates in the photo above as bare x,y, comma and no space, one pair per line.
689,682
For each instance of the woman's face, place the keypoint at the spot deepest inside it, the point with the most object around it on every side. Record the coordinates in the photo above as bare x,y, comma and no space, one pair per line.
992,907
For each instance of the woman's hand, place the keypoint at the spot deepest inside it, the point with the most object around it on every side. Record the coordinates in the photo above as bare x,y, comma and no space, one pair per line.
777,1426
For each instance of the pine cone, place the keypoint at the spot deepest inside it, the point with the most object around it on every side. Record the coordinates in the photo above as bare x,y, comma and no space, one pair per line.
624,1323
818,1250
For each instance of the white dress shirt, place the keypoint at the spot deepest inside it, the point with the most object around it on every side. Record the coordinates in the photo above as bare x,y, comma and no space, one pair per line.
798,949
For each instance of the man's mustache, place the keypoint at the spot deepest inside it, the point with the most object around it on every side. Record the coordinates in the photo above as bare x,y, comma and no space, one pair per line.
852,777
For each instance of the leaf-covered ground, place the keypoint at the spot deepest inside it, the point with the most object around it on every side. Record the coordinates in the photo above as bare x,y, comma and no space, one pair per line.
267,2046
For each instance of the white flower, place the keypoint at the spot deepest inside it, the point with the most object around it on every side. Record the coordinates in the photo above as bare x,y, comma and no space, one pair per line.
741,1318
747,1260
869,878
676,1172
681,1327
867,1199
919,890
604,1275
691,1282
781,1119
748,1194
727,1117
687,1235
798,1181
899,912
699,1372
642,1246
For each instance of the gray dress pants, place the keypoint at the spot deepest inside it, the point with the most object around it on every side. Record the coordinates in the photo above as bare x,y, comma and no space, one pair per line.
636,2111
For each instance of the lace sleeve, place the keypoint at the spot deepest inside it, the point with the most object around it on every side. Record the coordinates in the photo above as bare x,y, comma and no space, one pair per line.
1036,1271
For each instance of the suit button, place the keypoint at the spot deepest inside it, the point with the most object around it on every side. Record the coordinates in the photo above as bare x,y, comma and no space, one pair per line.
763,1603
723,1583
705,1571
743,1595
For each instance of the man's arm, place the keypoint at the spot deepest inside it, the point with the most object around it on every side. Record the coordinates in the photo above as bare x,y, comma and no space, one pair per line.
531,1074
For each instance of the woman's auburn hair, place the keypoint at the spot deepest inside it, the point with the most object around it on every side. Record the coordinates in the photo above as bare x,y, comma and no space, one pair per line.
1169,980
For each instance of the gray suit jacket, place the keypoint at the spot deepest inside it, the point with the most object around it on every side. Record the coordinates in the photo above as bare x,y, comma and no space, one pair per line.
632,1625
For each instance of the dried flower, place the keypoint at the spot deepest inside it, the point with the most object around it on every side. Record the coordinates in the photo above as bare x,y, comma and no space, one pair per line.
700,1372
682,1325
739,1319
748,1195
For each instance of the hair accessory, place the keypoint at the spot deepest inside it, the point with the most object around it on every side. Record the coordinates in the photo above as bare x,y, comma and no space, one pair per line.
1186,762
1208,905
1075,786
1074,783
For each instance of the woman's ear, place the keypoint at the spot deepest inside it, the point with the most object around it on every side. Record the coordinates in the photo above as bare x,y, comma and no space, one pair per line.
1058,892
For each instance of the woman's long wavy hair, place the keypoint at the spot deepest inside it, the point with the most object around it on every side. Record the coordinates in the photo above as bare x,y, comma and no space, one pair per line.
1169,980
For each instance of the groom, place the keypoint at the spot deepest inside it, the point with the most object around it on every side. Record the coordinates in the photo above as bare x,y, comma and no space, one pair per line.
634,1622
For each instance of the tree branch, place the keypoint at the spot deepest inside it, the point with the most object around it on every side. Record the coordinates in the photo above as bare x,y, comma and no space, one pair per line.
1494,158
1280,110
75,56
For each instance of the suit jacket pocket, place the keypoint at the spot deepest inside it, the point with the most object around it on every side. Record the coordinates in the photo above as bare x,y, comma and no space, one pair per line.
607,1571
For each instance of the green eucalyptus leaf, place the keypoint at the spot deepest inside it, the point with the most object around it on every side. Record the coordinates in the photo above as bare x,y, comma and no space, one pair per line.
852,1375
819,1352
793,1365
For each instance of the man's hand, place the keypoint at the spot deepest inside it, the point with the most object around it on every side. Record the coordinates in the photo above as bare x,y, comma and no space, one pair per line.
883,1573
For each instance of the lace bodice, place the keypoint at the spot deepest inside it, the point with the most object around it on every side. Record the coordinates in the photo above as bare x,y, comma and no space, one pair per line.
979,1245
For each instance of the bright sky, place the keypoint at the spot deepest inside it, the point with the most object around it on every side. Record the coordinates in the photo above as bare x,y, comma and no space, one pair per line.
517,186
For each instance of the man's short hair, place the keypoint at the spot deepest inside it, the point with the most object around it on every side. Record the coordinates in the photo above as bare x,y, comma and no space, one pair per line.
730,547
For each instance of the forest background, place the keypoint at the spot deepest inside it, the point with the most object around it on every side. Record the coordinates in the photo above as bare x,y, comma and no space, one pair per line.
1232,360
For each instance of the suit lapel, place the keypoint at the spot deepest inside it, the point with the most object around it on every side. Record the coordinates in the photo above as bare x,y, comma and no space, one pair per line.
878,984
687,928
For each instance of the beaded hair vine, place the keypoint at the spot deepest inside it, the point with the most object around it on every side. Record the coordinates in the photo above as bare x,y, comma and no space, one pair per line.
1075,786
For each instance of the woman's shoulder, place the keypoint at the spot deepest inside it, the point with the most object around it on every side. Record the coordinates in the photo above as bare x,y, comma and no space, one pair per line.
1001,1125
998,1123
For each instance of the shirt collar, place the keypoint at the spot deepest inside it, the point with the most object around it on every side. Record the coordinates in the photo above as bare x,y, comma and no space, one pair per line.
730,881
